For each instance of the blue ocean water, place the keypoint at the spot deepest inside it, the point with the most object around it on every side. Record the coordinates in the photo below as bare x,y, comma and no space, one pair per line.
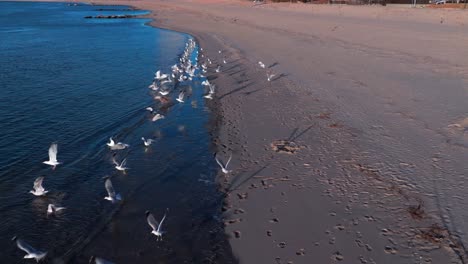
76,82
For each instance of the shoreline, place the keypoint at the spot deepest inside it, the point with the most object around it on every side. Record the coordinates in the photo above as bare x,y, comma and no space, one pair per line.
268,192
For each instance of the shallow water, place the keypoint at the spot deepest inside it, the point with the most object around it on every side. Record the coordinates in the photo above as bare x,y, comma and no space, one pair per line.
77,82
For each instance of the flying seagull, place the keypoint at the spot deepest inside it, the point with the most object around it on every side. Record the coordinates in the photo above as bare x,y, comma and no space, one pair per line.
211,93
147,142
96,260
52,209
156,117
116,146
149,108
111,194
52,156
120,166
38,189
155,225
180,98
160,76
270,76
30,251
164,92
220,163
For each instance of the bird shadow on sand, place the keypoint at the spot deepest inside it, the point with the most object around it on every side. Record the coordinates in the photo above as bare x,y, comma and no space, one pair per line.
212,77
253,91
236,90
273,65
296,134
279,76
243,178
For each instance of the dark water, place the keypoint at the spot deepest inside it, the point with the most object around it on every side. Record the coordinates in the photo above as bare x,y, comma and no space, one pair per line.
77,82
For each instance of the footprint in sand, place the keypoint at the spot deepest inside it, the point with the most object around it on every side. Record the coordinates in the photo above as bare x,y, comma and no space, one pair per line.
337,256
390,250
457,133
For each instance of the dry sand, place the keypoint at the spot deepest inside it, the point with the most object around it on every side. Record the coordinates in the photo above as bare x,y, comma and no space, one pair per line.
374,101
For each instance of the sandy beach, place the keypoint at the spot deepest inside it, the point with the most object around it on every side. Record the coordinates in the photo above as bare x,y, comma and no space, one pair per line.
356,151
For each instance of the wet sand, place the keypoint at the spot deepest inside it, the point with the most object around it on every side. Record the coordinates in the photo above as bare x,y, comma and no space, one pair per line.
356,151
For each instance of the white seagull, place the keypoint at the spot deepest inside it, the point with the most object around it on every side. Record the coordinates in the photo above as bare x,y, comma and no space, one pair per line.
52,156
211,93
223,167
155,225
149,108
96,260
180,99
30,251
52,209
111,194
270,76
120,166
262,65
38,189
160,76
154,86
164,92
116,146
147,142
156,117
218,69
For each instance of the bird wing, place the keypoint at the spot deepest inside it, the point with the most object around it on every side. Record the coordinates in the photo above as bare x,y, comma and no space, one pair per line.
124,162
227,163
102,261
115,162
220,163
51,208
53,152
152,221
109,188
160,224
38,184
25,246
111,142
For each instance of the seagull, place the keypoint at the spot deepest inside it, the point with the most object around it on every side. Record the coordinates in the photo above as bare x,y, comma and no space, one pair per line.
160,76
262,65
116,146
205,83
52,156
224,61
121,166
211,93
52,209
164,92
155,225
180,99
38,189
218,69
149,108
147,142
223,167
270,76
96,260
111,194
156,117
153,86
31,252
219,51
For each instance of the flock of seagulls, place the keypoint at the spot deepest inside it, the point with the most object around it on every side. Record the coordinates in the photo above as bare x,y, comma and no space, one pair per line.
162,85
